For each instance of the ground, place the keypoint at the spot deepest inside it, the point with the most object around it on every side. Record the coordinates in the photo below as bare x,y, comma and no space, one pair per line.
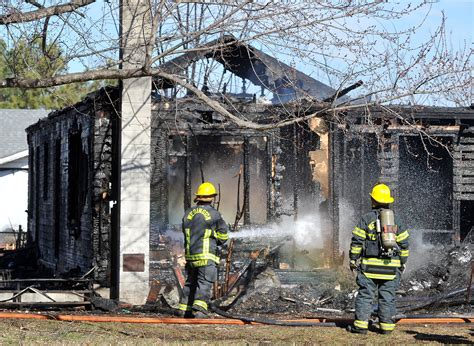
61,333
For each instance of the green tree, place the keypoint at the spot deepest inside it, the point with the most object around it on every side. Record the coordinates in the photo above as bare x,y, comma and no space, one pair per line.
29,59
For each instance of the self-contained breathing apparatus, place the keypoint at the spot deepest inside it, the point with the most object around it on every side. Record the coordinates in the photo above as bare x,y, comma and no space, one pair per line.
387,233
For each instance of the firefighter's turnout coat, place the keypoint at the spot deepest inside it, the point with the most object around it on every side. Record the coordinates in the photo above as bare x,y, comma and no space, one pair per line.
365,245
204,230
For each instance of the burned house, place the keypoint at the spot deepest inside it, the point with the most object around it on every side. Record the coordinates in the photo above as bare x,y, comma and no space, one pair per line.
74,197
286,173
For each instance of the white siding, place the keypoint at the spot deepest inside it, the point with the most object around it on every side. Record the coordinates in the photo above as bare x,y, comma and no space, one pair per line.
13,195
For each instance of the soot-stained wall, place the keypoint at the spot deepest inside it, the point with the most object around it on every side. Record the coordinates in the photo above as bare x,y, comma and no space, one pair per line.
70,188
428,166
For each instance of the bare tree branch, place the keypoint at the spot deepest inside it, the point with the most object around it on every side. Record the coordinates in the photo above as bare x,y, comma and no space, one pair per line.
24,17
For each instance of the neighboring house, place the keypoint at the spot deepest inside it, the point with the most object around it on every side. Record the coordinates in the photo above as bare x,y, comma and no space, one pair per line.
14,165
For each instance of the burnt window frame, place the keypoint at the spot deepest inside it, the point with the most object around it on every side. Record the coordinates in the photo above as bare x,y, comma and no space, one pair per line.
77,179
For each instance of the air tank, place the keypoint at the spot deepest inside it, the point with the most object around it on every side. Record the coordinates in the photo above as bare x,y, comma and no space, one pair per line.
389,229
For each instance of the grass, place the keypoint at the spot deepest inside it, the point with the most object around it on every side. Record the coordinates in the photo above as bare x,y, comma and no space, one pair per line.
60,333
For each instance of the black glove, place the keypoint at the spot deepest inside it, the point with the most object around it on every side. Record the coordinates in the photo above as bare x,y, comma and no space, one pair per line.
225,244
353,265
402,268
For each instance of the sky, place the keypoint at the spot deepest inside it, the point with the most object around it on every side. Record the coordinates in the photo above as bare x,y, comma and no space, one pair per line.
459,19
459,22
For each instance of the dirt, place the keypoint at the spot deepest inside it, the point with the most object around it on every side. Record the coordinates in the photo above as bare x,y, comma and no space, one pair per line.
80,333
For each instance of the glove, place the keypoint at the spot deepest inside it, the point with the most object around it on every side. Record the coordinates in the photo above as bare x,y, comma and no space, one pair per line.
353,265
402,268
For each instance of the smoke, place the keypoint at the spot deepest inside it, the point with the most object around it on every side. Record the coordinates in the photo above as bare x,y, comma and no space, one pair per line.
220,158
422,253
347,221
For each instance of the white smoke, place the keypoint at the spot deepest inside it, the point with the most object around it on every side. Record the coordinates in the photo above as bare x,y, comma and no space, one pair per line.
422,253
347,221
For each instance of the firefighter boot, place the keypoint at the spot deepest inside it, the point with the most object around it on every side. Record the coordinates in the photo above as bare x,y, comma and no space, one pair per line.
353,329
199,312
184,314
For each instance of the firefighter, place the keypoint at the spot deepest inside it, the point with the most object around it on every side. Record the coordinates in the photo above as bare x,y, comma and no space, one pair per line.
379,253
204,232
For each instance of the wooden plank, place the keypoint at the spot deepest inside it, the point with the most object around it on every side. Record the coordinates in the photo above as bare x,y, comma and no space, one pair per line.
463,188
464,196
463,156
467,140
463,164
464,147
463,180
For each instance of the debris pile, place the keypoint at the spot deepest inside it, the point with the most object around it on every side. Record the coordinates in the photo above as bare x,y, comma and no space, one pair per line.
448,269
430,288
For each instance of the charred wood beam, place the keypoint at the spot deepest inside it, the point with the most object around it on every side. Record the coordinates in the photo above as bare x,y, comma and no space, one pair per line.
45,280
295,170
269,149
217,130
456,220
334,186
450,130
343,92
2,169
187,174
415,112
246,204
42,305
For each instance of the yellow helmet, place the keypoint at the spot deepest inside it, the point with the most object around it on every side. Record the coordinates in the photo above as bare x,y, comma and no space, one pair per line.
206,190
381,194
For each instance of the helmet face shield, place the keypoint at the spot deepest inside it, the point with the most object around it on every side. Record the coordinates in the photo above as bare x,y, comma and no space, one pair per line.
381,194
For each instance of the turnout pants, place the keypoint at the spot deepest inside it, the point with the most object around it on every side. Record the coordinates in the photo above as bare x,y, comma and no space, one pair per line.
384,290
197,290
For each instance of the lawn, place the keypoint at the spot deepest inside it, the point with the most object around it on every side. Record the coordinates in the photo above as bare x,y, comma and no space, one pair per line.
56,332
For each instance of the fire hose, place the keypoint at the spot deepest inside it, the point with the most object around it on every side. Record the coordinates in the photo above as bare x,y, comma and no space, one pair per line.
261,320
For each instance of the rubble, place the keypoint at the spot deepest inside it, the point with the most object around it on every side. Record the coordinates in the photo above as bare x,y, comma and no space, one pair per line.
449,269
267,296
439,287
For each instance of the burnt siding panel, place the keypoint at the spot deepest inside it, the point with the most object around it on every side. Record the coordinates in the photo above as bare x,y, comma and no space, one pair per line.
77,250
101,184
65,246
426,176
159,181
355,169
59,248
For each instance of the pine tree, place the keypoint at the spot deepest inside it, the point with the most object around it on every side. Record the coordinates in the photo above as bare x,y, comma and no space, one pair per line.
29,60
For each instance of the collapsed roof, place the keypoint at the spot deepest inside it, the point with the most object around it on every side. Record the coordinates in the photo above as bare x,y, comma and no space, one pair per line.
247,62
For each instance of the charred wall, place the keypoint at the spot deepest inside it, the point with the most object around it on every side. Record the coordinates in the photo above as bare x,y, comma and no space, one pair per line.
355,168
275,165
182,158
428,165
71,177
426,183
